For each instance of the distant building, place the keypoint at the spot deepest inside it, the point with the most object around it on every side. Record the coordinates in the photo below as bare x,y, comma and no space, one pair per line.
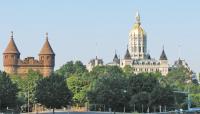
181,63
115,62
14,65
136,54
93,63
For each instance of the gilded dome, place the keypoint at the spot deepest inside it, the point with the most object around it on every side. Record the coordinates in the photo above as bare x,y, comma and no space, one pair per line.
137,28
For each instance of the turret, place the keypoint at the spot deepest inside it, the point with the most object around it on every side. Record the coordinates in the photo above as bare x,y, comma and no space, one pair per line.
11,56
164,67
47,57
116,59
163,57
127,61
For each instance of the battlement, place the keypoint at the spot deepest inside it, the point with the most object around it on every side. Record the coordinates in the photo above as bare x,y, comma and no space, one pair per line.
14,65
30,61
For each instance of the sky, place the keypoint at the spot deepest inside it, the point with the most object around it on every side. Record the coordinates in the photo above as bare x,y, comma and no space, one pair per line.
83,29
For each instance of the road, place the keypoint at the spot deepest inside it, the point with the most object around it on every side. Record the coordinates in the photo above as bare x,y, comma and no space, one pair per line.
75,113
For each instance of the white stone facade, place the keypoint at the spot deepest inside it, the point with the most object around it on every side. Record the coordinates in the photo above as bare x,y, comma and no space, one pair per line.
136,54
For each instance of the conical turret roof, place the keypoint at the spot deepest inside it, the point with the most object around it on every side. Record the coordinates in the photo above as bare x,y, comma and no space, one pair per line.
127,55
163,55
115,56
46,49
11,48
116,59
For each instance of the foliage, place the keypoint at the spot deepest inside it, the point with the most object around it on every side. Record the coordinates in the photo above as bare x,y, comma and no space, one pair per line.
110,91
79,86
147,91
71,68
52,92
27,86
195,99
128,70
8,91
178,76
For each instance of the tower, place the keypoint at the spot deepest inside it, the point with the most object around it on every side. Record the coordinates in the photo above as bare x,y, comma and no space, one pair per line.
11,56
163,63
127,59
116,59
47,58
137,40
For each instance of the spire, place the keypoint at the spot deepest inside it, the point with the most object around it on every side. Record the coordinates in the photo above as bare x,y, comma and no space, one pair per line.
115,57
46,49
137,18
11,48
163,55
127,55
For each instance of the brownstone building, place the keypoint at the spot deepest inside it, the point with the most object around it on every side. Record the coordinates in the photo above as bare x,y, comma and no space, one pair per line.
14,65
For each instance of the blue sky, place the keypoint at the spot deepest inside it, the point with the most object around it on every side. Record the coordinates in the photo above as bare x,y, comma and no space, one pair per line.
82,29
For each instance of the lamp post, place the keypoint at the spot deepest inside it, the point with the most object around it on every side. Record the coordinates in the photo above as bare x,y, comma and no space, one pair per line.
36,105
125,91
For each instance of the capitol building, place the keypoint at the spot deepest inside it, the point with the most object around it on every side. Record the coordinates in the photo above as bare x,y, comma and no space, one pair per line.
136,55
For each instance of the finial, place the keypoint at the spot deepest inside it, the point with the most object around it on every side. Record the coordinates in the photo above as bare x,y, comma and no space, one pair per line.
115,51
47,35
163,47
11,34
137,17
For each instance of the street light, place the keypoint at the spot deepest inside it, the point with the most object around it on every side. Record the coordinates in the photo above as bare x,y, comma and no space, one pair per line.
125,91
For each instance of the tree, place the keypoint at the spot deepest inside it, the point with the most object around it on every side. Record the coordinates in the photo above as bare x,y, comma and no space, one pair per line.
8,91
147,90
179,76
71,68
79,86
27,87
109,89
53,92
128,70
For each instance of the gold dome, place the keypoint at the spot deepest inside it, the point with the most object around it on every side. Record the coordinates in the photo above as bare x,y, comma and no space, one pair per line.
137,28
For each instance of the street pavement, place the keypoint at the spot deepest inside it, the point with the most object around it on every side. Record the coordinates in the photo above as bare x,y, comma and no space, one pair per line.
74,113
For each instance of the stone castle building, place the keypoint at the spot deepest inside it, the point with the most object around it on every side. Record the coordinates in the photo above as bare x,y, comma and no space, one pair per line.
136,54
13,64
93,63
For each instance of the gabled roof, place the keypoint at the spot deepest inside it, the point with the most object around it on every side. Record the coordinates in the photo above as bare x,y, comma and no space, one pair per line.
163,55
11,47
46,49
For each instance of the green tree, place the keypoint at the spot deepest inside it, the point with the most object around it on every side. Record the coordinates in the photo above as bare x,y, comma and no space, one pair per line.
53,92
179,76
109,89
180,79
128,70
71,68
79,86
27,86
147,91
8,91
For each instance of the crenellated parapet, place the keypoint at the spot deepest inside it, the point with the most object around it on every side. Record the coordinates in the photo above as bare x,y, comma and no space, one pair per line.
14,65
